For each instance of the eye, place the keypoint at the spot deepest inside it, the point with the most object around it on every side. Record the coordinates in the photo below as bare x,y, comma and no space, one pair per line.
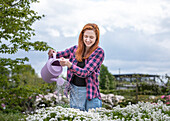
91,37
85,36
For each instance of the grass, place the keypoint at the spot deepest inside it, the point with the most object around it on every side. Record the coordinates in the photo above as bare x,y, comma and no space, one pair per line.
10,116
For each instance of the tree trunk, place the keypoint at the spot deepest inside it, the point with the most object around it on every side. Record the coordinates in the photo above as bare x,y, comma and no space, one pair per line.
137,91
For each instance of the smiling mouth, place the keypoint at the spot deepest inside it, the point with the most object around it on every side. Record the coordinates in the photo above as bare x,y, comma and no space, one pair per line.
88,43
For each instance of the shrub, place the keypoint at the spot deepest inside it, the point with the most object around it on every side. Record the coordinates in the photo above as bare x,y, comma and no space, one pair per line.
21,99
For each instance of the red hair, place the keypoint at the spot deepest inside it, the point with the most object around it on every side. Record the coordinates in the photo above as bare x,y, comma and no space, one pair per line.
81,46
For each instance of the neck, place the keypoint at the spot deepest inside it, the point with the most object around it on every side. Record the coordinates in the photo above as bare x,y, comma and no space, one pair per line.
85,52
87,49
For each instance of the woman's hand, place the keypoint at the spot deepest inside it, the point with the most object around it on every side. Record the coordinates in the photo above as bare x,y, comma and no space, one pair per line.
50,52
65,62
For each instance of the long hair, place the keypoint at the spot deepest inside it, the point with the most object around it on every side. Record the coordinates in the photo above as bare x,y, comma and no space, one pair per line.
81,46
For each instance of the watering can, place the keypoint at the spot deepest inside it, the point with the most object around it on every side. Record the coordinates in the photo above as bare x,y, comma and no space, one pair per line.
51,71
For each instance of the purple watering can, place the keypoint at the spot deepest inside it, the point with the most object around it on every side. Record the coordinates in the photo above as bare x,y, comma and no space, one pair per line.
51,70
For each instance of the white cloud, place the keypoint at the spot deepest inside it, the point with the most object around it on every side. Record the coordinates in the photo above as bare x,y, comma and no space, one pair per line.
165,44
150,67
53,32
71,15
134,33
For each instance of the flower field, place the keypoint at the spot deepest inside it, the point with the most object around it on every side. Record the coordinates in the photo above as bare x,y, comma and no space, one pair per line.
132,112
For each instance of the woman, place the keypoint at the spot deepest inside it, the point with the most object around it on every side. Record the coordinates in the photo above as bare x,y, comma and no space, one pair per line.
83,69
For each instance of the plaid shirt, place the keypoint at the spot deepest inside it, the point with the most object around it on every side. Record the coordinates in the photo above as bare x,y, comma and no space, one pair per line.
90,72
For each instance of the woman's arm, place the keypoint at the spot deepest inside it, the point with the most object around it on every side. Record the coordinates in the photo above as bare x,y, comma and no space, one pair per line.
66,53
96,59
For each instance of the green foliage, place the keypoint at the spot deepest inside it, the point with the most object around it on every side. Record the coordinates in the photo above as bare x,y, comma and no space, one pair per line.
107,80
21,92
152,89
11,116
16,19
9,71
18,82
128,92
103,73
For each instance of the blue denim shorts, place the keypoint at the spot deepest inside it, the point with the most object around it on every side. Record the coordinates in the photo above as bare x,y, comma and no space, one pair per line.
78,99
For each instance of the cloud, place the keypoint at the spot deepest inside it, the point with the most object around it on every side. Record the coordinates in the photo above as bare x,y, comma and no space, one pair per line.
71,15
135,34
53,32
136,52
165,44
146,67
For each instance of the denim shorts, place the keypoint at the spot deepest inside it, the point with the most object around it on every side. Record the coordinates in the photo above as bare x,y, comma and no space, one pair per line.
78,99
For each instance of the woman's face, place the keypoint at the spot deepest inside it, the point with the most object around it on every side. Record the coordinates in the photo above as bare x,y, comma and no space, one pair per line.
89,38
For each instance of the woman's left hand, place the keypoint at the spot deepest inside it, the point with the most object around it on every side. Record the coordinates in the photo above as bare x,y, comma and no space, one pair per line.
65,62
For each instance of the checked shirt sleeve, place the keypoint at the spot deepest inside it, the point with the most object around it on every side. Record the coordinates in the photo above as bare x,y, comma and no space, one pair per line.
94,63
66,53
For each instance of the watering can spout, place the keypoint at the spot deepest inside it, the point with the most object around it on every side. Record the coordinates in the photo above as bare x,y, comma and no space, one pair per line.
59,80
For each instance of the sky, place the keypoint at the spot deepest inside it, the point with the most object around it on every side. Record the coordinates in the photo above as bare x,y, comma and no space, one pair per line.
134,34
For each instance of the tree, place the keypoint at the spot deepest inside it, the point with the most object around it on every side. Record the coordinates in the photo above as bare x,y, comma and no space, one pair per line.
106,78
20,93
16,19
19,85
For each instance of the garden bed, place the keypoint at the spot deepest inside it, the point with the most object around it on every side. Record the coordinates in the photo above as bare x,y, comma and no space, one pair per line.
135,112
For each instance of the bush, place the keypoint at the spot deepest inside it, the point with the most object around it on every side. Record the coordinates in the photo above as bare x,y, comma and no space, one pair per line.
22,98
11,116
119,92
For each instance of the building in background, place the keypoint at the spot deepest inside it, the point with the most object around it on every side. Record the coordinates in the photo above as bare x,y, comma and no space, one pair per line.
128,81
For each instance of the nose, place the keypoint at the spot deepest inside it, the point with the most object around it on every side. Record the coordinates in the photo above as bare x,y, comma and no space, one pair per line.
88,39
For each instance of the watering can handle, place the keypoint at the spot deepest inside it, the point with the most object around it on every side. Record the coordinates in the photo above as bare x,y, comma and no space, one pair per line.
54,56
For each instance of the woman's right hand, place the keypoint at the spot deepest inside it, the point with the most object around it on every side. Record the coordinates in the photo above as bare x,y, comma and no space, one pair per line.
50,52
